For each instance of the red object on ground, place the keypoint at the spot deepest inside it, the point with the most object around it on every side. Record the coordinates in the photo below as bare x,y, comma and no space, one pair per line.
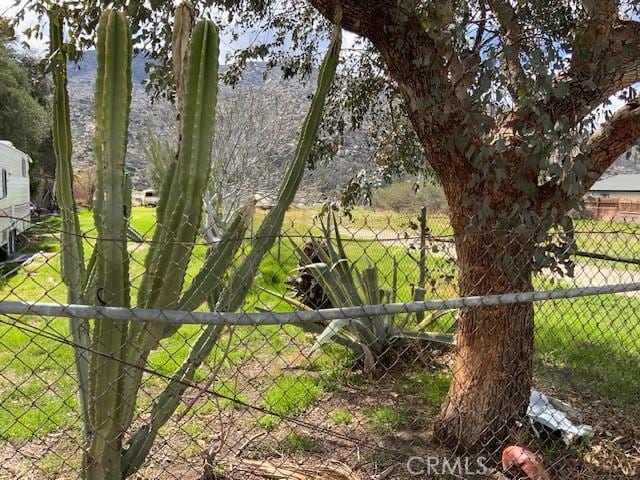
526,460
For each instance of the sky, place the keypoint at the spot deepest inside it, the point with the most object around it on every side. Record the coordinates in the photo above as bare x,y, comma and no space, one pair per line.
8,9
39,47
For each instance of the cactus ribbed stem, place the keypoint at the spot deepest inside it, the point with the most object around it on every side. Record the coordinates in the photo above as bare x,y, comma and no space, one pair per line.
113,388
178,220
241,282
72,255
237,289
112,101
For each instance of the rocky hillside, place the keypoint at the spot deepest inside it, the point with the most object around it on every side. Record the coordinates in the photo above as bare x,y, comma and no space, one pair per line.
144,116
626,164
158,118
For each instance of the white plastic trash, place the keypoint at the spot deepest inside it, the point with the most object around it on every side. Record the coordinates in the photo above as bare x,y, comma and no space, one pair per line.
555,415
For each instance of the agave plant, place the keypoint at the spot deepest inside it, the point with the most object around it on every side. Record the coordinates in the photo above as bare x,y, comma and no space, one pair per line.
370,337
111,355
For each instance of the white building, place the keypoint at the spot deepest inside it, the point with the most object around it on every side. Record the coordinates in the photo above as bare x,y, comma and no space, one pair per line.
618,186
15,206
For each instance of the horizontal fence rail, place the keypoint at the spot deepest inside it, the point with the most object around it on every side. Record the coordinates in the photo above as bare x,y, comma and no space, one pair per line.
304,316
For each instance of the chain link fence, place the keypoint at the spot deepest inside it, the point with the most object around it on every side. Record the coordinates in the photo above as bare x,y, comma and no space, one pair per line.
315,379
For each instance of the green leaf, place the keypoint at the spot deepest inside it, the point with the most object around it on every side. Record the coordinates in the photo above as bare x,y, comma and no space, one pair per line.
329,333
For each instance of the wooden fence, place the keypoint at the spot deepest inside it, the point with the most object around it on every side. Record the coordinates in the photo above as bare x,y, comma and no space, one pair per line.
623,209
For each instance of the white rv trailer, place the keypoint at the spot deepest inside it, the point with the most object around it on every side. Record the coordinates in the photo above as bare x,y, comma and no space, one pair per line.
15,206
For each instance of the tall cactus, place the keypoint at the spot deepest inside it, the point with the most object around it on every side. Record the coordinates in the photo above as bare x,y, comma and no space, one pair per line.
112,100
114,385
236,290
180,210
72,255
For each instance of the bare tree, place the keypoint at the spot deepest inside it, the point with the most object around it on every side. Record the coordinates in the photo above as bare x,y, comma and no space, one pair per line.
501,97
84,186
254,137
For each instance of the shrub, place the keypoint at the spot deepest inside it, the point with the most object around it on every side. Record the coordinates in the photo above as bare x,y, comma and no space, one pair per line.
402,197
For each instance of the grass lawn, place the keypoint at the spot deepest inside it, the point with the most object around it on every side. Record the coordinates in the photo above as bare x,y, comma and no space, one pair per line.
590,345
612,238
363,220
615,239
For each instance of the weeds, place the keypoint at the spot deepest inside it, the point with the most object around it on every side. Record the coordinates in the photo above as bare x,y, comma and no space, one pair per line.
294,443
288,396
341,416
384,418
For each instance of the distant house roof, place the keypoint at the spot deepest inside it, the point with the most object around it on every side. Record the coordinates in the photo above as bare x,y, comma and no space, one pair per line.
618,183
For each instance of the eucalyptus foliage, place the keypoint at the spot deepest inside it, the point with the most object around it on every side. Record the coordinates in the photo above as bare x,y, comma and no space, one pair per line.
517,107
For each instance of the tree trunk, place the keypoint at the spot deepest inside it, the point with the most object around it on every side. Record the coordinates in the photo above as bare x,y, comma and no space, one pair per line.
493,366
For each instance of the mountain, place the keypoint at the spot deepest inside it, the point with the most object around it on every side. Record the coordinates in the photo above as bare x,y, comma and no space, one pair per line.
85,69
158,118
628,163
145,116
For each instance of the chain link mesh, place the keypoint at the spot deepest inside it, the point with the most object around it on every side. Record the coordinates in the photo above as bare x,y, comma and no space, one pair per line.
271,402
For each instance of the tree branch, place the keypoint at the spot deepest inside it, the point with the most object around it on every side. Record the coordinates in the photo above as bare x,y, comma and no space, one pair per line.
362,17
596,155
594,37
416,61
480,31
605,60
611,141
513,46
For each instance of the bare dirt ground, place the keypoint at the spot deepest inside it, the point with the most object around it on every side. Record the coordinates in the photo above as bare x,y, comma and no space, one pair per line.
227,442
219,440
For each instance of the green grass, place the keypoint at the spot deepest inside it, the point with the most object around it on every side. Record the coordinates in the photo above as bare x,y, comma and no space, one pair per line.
592,344
290,394
230,390
586,345
333,361
430,387
296,443
384,418
341,416
53,464
364,220
35,408
268,422
287,396
613,238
